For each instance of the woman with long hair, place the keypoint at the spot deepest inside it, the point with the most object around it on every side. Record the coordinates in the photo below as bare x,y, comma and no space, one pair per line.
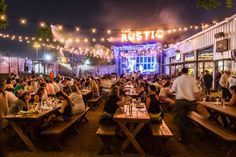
65,111
77,99
153,104
165,93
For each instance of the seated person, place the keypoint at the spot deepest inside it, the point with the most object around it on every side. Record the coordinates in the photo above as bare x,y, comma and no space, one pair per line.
41,94
67,90
165,93
65,112
21,104
112,104
232,90
140,89
77,99
153,104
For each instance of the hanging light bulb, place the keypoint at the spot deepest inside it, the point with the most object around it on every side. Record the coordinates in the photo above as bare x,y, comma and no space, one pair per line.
42,24
102,39
77,29
85,40
3,17
60,27
94,30
23,21
108,31
77,40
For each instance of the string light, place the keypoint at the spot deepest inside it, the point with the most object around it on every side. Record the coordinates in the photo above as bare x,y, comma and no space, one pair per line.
94,40
108,31
42,24
102,39
3,17
93,30
77,29
77,40
85,40
23,21
60,27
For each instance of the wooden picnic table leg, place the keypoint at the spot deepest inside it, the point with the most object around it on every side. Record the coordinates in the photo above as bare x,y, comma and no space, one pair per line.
20,132
130,137
232,151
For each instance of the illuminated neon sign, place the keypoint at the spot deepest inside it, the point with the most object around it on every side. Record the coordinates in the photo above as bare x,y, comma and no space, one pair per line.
137,36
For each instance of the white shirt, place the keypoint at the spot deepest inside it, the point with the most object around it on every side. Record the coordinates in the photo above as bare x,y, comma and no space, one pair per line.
56,87
164,91
60,86
11,98
4,108
50,89
185,87
77,99
232,81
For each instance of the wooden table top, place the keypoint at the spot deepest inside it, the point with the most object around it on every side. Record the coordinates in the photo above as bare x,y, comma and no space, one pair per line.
85,91
228,110
32,115
138,115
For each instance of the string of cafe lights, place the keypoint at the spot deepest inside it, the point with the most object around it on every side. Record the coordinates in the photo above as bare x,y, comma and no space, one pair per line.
94,30
88,51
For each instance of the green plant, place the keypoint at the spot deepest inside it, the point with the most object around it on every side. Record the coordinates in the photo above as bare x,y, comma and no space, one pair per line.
3,17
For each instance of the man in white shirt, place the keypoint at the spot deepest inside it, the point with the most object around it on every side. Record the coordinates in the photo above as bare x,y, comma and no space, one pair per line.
186,90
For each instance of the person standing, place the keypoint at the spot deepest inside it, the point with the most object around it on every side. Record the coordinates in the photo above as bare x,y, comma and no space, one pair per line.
187,91
224,84
208,79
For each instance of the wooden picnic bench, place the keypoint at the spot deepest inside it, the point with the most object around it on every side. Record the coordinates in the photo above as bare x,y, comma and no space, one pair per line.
57,129
106,132
162,134
222,132
93,102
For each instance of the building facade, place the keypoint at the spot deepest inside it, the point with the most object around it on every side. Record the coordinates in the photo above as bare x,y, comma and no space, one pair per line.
212,49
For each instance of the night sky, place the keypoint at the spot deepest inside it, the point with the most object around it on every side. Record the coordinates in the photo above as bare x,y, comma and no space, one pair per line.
113,14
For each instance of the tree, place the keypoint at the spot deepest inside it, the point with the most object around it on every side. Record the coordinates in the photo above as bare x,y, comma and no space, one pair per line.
212,4
3,17
45,33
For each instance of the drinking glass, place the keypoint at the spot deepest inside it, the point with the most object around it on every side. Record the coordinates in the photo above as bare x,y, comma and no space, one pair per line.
203,99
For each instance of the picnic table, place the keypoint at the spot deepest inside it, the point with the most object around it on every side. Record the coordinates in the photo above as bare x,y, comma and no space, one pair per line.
139,116
224,109
217,109
32,118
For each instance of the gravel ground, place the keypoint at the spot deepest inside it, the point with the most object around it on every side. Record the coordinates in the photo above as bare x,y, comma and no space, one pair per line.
87,144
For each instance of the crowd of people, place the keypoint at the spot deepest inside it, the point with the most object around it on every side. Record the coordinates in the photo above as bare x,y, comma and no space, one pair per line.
22,94
155,91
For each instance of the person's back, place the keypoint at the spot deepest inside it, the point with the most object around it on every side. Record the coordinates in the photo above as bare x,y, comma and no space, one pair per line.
185,87
186,90
77,99
110,105
208,80
223,80
154,106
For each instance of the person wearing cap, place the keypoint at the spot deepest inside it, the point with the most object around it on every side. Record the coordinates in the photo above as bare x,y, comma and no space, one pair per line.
187,92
